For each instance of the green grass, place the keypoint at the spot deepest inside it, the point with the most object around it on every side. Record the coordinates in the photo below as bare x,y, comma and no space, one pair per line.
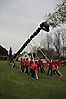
17,85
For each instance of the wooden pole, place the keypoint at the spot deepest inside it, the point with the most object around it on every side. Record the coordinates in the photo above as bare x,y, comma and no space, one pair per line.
41,52
31,53
35,52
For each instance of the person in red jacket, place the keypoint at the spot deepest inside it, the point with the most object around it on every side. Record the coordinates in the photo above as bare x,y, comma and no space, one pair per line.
27,65
39,63
30,64
50,66
34,70
43,68
55,71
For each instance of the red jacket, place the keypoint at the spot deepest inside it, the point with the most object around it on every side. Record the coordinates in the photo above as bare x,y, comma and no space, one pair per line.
31,62
50,64
39,62
22,62
34,67
56,66
27,62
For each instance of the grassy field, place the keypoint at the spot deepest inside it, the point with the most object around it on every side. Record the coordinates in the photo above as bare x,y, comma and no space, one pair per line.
17,85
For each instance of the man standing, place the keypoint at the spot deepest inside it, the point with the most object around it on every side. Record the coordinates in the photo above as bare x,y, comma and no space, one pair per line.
39,63
27,65
30,64
50,66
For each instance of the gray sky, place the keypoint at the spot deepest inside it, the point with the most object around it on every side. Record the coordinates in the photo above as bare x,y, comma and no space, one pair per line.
20,18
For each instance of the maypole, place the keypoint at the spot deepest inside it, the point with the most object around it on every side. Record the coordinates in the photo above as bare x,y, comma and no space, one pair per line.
43,26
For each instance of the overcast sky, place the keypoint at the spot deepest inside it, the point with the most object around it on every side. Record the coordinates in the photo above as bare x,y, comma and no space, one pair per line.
20,18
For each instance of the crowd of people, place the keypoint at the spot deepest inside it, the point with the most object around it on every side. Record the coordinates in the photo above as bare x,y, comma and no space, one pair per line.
33,68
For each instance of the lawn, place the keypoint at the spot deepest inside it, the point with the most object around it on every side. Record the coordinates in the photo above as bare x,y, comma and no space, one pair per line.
17,85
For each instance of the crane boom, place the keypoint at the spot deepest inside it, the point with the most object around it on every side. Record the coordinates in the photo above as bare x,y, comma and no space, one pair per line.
43,26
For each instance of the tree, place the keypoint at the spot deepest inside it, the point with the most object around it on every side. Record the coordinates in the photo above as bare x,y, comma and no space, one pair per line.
10,53
59,16
63,36
49,40
57,43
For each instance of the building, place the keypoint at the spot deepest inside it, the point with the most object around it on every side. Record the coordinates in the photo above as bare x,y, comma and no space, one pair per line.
3,53
24,55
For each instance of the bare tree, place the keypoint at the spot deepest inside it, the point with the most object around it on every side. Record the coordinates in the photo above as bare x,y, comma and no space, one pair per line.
63,36
49,40
57,43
